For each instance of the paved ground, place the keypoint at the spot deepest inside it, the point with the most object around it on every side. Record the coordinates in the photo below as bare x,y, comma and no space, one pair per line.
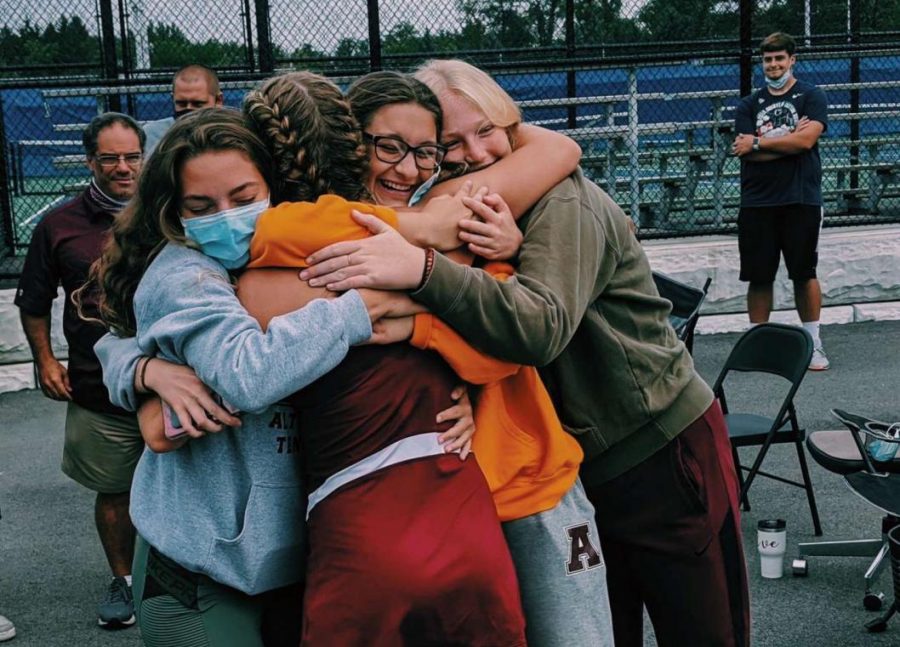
52,570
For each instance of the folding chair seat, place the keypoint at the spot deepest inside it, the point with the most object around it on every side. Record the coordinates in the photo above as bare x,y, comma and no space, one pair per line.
783,351
686,301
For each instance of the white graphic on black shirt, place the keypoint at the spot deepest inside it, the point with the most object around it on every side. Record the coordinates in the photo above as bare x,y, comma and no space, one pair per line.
777,119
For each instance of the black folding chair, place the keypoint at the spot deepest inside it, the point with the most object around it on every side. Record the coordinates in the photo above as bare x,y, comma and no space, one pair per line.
779,350
686,301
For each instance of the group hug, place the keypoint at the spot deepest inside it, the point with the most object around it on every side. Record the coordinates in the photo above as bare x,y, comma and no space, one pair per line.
404,378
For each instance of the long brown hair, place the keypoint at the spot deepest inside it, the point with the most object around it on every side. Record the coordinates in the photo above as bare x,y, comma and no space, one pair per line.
152,217
315,141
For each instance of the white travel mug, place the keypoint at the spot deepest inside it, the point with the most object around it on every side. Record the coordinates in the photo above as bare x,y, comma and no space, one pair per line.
771,540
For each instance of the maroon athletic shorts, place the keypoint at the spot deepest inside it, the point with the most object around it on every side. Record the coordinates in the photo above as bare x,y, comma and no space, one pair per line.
411,555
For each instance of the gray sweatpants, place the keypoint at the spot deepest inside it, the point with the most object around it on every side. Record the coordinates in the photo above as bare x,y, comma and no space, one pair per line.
562,575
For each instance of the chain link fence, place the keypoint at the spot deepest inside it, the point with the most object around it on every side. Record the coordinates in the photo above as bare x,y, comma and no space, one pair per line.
647,87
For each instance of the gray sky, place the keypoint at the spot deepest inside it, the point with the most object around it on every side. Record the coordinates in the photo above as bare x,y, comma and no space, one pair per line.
321,23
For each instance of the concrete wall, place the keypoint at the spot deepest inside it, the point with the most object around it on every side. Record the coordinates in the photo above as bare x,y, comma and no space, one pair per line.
859,269
16,370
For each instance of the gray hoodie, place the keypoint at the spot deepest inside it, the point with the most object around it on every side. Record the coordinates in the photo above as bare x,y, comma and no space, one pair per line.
230,505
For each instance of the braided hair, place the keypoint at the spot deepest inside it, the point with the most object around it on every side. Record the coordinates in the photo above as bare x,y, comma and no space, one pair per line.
315,141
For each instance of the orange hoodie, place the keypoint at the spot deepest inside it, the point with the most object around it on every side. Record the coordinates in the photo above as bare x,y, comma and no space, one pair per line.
529,461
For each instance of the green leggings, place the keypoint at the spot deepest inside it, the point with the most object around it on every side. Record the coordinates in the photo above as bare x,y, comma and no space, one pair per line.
225,617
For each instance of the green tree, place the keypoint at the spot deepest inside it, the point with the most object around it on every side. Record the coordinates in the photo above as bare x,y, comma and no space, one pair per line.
64,41
778,15
547,17
76,42
686,20
169,47
403,38
599,22
352,47
506,22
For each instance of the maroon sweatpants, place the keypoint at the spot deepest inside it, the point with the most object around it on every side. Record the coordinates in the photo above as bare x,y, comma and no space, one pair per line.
670,530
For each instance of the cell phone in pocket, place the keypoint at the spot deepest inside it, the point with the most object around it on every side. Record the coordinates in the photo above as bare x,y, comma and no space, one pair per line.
172,424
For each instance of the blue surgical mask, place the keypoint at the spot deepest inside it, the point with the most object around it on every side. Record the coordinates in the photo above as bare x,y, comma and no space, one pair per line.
419,193
777,84
225,236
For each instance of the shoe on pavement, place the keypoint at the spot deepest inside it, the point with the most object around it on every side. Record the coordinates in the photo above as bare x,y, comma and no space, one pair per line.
7,629
116,609
819,361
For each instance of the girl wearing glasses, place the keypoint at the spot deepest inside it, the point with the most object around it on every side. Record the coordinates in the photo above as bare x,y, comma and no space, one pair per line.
383,569
531,464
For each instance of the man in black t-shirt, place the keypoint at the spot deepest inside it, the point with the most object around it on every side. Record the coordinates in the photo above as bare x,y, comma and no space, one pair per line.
778,129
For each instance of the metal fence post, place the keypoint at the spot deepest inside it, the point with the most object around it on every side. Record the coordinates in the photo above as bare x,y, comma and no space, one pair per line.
108,44
571,89
746,37
6,210
127,62
853,37
264,37
633,153
374,35
248,34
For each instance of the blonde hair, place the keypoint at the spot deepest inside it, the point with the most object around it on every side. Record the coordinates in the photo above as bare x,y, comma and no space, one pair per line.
465,80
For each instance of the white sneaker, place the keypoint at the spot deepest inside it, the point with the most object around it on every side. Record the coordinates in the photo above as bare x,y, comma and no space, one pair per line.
819,361
7,629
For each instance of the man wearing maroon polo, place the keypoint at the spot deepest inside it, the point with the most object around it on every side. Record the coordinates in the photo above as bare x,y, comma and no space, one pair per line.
102,442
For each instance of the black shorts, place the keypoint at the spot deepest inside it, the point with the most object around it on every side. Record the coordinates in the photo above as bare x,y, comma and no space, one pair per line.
764,233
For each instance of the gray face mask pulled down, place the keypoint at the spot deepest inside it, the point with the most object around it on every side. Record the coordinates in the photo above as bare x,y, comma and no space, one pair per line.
424,187
777,84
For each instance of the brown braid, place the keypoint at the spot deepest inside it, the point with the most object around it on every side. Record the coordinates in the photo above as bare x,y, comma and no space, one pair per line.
315,141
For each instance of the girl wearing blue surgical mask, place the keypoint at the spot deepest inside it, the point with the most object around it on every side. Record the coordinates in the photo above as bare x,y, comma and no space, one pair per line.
219,542
222,197
220,516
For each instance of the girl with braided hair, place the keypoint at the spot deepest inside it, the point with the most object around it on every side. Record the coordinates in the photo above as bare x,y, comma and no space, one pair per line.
531,464
315,142
385,566
216,518
401,115
377,414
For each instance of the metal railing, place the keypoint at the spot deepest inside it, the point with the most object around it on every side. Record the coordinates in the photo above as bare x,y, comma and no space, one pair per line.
652,114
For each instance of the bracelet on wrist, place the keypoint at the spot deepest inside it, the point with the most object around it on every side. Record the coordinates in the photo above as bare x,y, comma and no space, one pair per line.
142,375
427,268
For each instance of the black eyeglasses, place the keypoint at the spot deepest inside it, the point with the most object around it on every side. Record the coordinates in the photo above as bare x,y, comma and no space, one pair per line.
392,150
111,161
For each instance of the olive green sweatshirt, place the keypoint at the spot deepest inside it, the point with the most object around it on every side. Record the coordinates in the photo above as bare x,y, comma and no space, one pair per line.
583,307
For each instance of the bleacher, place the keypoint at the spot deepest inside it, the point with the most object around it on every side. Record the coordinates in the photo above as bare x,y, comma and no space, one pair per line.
672,176
688,176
